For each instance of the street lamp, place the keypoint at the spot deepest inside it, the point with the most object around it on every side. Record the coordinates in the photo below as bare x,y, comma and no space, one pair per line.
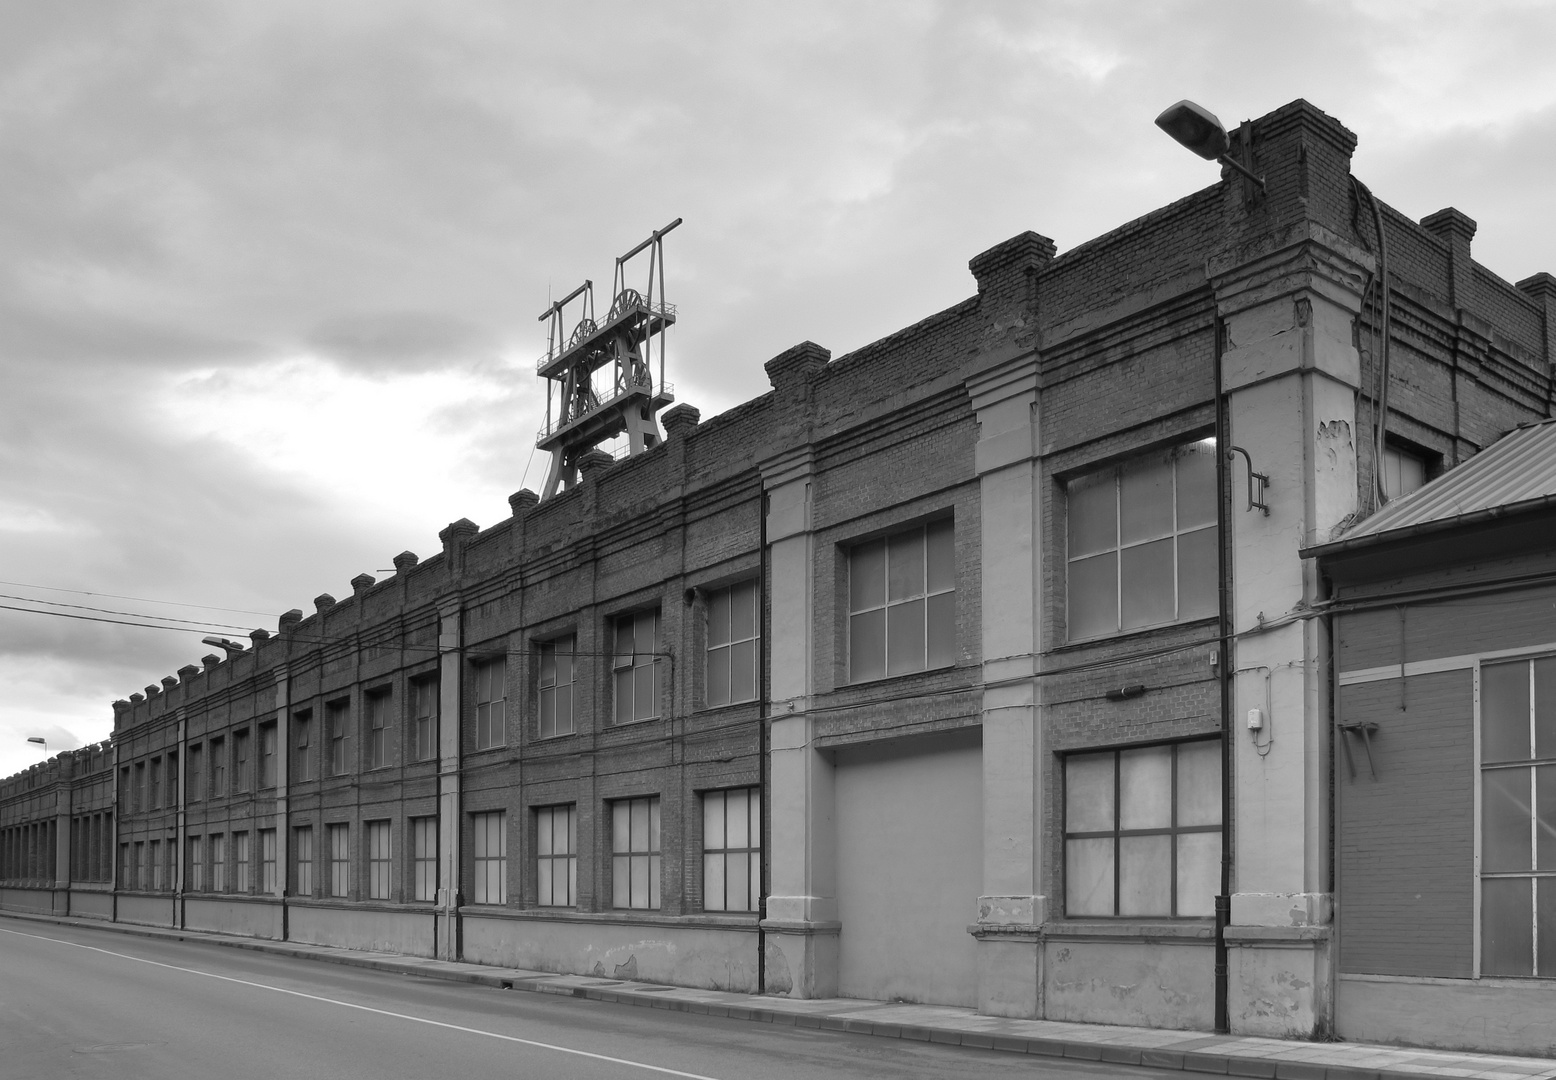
1196,128
232,648
40,741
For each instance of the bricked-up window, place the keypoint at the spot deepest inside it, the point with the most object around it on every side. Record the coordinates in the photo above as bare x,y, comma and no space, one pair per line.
379,864
218,768
339,838
378,730
635,853
1142,542
267,755
218,858
241,881
302,741
1403,471
424,858
194,772
240,761
732,644
1142,831
731,849
490,706
424,721
635,666
902,603
556,687
490,856
337,721
556,856
196,863
1518,818
302,857
267,861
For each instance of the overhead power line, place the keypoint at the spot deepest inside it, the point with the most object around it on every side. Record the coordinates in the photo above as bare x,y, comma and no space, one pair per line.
137,599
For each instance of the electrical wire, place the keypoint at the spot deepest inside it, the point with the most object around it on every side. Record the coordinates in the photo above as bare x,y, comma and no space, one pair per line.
138,599
111,611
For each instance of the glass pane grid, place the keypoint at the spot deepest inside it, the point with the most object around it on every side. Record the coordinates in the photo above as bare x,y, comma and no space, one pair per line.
901,615
635,853
731,842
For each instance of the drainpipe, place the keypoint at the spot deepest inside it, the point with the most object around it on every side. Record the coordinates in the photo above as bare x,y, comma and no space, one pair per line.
1224,578
763,708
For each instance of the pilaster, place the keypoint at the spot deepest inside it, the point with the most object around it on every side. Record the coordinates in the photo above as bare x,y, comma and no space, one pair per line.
450,668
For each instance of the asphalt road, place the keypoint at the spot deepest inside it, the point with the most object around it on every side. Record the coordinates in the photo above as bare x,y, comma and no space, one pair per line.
80,1002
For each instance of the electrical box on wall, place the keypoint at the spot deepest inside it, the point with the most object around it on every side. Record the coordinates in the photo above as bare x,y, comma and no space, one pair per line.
1255,720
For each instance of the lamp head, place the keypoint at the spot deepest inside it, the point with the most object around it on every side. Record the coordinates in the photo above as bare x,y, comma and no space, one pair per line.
1195,127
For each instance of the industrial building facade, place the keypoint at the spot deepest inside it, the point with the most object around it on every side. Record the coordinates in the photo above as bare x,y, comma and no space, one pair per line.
981,666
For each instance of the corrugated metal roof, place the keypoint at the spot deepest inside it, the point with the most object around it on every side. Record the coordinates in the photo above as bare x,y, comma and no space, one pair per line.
1518,468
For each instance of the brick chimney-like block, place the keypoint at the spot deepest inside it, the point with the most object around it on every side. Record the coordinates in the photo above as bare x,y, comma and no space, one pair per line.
404,561
120,707
1029,251
680,421
361,583
456,534
169,682
210,660
1541,288
792,371
188,671
256,636
152,690
593,463
289,620
522,501
323,602
1456,230
136,699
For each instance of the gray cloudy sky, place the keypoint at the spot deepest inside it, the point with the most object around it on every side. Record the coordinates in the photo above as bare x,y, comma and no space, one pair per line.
269,273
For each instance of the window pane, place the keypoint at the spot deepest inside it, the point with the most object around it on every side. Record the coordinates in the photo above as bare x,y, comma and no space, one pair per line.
1145,788
905,565
742,671
1088,793
653,824
646,702
547,665
713,820
713,882
639,835
735,815
736,876
624,696
867,576
621,831
1146,579
905,637
1545,709
1093,598
639,872
1506,927
1145,875
1504,820
942,630
1545,818
1197,484
545,887
718,676
564,709
1198,597
718,617
1145,503
867,646
1199,783
1504,712
543,829
1088,877
742,611
940,555
1199,872
1093,510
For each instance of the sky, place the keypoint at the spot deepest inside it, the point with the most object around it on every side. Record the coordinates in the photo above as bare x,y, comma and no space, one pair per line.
270,273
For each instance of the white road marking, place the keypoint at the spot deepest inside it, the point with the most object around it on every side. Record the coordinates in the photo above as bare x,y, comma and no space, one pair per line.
368,1008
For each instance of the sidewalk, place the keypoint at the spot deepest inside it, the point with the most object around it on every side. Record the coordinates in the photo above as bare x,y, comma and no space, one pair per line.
1191,1051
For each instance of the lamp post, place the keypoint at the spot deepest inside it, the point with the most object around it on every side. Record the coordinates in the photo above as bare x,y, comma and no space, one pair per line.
1196,128
230,647
40,741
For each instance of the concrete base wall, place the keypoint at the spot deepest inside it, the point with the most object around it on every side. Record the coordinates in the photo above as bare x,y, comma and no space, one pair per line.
1277,990
1142,983
258,917
711,957
91,905
146,910
410,933
1452,1014
27,899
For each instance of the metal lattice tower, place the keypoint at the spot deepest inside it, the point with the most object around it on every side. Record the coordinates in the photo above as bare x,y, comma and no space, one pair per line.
582,408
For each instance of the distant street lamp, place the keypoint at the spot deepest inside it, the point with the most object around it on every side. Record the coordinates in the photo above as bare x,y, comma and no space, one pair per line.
1196,128
40,741
232,648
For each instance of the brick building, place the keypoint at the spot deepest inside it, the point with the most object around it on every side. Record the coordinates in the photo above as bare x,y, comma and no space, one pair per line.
925,675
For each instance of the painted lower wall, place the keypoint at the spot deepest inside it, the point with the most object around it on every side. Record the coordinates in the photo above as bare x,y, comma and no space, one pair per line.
410,932
15,899
93,904
248,917
145,910
1502,1015
1165,983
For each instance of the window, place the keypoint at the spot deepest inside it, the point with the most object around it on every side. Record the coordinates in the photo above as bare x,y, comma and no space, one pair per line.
902,603
337,716
340,859
425,721
491,857
1403,471
267,862
424,858
218,768
138,880
636,667
241,881
195,774
732,644
170,775
556,856
302,845
196,863
490,681
154,795
1518,818
556,687
378,730
302,728
1142,542
267,755
635,853
379,865
1142,830
218,858
731,849
138,792
156,864
126,868
240,761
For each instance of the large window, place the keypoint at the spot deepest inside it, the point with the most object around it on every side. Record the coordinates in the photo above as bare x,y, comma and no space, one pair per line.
732,644
490,854
424,858
156,865
731,849
1142,542
154,800
267,755
556,687
556,856
337,720
490,691
339,837
196,864
218,768
240,761
635,853
902,603
194,776
302,844
380,867
217,853
378,730
1518,818
267,862
302,727
241,881
424,705
1142,830
636,666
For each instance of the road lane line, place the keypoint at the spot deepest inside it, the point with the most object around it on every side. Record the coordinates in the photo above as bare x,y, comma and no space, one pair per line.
368,1008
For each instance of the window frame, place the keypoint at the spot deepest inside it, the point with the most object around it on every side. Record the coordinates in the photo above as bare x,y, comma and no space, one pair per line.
548,859
268,850
218,759
302,745
242,862
216,859
337,731
241,754
491,712
193,848
727,644
194,773
379,848
337,838
302,859
937,599
378,727
627,855
723,855
626,667
548,720
424,719
424,865
269,770
488,868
